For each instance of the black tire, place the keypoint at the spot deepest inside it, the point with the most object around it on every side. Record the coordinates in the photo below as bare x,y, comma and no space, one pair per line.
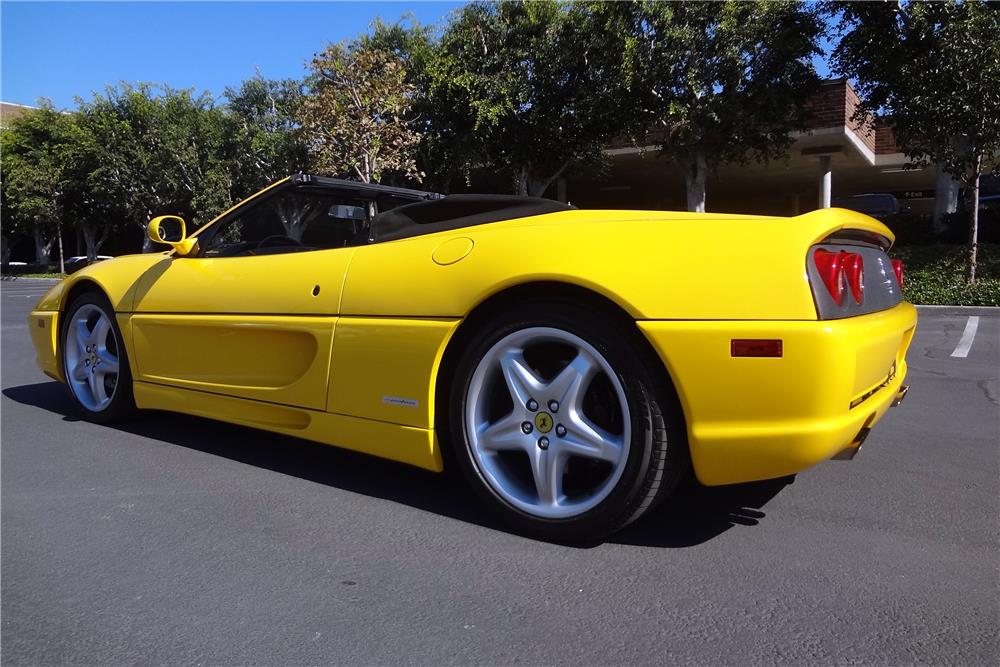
658,454
122,404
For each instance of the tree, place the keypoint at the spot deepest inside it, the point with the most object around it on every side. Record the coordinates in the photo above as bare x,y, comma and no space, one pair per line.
157,150
716,81
85,207
520,79
264,133
35,159
448,147
355,117
933,70
9,232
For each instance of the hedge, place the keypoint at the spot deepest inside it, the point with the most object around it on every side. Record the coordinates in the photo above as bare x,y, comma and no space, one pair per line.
934,275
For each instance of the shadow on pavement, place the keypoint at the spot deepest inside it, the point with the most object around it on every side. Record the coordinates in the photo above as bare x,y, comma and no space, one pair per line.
693,515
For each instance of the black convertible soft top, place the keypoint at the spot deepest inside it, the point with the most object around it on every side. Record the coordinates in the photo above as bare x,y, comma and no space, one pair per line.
455,212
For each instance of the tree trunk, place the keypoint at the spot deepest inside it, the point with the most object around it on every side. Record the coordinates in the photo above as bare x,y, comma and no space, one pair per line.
530,184
42,247
945,199
972,249
147,244
537,186
62,258
91,242
294,215
695,171
521,185
5,249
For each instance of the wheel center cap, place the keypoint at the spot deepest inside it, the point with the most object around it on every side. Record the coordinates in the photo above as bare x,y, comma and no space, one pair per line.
543,422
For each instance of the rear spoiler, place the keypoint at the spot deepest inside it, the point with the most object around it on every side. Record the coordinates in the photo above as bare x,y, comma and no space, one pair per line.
842,224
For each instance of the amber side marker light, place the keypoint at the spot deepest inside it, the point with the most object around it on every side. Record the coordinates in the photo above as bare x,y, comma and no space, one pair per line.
755,347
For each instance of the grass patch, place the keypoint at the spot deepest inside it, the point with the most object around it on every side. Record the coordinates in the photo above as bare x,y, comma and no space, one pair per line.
934,275
34,275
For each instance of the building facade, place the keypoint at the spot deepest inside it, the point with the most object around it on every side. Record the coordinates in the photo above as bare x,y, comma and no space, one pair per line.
836,157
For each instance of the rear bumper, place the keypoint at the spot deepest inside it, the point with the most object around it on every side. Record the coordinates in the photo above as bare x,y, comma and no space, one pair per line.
760,418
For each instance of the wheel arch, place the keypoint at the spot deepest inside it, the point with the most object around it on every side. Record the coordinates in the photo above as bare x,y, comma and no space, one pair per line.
81,286
490,307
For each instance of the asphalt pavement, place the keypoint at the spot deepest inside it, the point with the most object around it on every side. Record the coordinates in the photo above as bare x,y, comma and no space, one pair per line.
176,540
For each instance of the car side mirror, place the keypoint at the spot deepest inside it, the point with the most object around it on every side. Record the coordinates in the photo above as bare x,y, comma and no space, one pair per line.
171,230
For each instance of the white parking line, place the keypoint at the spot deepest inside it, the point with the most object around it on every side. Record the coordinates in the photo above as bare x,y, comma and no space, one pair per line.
968,336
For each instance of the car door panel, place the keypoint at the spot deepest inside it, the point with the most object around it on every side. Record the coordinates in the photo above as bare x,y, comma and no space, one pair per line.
298,283
278,359
257,327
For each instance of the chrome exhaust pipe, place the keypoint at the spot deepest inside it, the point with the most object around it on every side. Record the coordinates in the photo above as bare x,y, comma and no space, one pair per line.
848,453
901,395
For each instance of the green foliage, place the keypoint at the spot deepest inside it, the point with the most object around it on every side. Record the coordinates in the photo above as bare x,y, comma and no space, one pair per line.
933,275
263,135
356,119
36,160
934,69
720,81
520,82
448,148
155,150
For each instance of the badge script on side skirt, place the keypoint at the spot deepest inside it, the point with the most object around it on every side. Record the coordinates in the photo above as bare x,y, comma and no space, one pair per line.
399,400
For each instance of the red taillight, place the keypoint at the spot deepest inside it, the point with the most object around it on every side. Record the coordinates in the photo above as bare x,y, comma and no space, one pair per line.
854,265
897,266
830,266
838,270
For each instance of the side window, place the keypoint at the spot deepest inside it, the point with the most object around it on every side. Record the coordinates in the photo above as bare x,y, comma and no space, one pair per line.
296,220
387,203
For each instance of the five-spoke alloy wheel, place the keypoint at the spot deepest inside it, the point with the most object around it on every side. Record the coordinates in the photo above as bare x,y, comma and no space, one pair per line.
548,423
94,359
567,429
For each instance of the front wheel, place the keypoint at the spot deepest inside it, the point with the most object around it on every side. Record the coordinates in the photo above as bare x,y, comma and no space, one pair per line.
95,362
561,423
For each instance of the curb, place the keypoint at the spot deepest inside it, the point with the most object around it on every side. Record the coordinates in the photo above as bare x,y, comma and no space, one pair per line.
961,310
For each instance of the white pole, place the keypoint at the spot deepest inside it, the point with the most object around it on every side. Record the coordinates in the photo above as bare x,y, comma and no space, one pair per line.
825,181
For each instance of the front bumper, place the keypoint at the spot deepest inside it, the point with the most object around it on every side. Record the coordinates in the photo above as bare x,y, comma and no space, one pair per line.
44,328
752,418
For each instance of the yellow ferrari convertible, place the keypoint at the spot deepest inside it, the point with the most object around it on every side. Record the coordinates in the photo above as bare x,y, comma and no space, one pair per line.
573,364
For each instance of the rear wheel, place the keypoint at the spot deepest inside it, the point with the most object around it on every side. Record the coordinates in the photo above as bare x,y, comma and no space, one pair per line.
95,363
560,424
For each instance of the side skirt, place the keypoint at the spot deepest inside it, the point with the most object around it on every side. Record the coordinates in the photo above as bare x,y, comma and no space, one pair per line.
406,444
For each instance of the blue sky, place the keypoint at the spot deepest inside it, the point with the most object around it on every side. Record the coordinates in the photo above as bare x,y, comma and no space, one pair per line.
63,50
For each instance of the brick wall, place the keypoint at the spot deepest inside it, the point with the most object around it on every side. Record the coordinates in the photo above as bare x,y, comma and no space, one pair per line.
832,106
885,140
863,128
827,107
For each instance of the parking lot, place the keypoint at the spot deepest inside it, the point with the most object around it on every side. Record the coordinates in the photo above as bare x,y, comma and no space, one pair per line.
173,539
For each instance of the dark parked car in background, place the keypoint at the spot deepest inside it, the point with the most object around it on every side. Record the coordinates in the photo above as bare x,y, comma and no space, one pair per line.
74,264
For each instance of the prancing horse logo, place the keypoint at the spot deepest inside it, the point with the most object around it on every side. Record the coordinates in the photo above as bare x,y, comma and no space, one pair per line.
543,422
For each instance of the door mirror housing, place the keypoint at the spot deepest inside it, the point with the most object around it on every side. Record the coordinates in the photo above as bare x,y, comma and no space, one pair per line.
171,230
